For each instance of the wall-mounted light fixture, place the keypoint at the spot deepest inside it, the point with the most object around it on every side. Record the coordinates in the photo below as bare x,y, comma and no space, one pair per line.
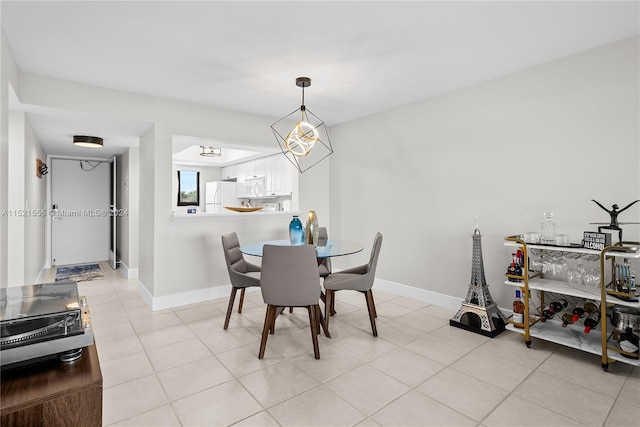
211,151
41,168
87,141
301,135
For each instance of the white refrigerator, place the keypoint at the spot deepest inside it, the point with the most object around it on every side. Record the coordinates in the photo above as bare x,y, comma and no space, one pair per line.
220,194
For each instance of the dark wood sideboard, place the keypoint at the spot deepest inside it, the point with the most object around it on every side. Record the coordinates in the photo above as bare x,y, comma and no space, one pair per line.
53,393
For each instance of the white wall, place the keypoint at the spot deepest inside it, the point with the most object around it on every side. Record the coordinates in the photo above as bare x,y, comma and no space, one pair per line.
16,220
35,202
146,225
550,138
9,77
127,200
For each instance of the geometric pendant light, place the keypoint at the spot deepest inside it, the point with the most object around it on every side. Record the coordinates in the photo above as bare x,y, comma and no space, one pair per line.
301,135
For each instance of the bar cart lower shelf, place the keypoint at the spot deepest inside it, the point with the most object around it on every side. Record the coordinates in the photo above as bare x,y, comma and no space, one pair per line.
572,336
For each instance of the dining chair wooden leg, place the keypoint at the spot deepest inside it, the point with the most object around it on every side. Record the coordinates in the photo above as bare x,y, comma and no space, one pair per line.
232,298
313,325
327,306
265,330
272,321
322,322
371,308
241,300
290,309
333,303
373,304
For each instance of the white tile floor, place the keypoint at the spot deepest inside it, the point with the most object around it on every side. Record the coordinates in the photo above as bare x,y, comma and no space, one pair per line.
180,368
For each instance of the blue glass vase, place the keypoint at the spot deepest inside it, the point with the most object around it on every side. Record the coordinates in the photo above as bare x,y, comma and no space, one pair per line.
296,232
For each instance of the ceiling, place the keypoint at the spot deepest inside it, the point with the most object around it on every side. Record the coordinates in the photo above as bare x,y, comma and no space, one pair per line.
362,57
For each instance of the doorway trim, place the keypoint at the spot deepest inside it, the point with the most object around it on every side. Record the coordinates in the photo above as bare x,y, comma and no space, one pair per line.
48,223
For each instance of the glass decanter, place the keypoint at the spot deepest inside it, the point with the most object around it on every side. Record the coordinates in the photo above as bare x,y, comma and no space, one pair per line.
548,230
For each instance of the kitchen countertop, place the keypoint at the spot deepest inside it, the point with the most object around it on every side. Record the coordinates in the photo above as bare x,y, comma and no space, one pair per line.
231,214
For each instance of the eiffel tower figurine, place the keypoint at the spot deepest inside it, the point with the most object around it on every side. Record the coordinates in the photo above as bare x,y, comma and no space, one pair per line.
479,313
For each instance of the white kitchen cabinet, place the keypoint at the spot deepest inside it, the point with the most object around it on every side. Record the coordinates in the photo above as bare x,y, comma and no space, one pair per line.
288,173
269,170
258,167
274,175
230,172
278,163
245,170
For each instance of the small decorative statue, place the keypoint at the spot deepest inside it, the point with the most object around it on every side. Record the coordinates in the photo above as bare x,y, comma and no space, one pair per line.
614,212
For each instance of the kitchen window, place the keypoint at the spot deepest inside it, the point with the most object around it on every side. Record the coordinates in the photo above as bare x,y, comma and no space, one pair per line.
188,188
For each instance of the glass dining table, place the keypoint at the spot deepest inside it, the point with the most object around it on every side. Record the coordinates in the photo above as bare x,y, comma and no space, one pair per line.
327,249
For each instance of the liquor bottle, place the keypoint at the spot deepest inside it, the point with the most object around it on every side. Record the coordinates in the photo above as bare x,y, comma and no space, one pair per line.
577,312
629,343
518,309
567,319
518,268
591,322
514,269
520,258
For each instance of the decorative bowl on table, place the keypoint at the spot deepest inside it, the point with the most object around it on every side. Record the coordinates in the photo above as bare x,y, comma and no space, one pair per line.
242,208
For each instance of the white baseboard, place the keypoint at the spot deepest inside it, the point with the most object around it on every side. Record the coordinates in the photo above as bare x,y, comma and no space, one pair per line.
208,294
430,297
129,273
183,298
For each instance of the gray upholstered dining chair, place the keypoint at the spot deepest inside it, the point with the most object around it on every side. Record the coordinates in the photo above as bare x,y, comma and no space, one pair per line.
325,266
356,279
289,278
241,273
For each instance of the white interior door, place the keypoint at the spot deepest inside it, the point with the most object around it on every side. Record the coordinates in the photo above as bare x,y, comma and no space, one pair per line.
80,203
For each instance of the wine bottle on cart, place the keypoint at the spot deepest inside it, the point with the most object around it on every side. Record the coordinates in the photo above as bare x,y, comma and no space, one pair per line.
547,314
577,312
559,305
555,307
591,322
567,319
590,306
518,310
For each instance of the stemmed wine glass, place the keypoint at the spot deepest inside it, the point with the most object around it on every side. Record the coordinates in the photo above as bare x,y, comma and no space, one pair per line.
537,261
592,276
561,267
556,268
575,276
